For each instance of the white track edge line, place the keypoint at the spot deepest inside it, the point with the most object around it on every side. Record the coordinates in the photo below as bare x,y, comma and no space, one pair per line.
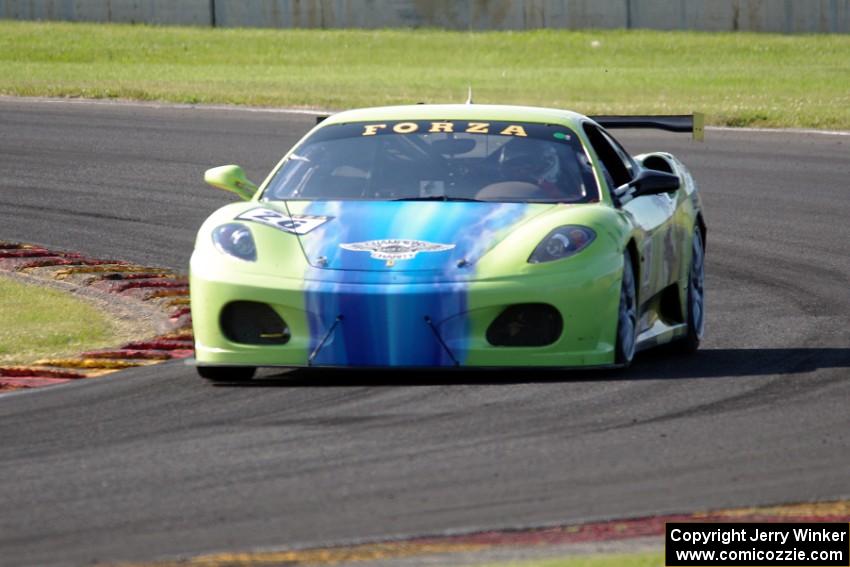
320,112
165,105
780,130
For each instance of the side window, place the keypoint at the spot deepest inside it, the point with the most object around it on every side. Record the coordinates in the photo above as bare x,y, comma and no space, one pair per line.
613,157
622,153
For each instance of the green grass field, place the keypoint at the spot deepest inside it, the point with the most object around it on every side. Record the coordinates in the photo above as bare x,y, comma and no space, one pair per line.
737,79
37,322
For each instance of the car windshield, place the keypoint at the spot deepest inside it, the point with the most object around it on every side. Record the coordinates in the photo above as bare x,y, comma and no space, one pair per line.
438,160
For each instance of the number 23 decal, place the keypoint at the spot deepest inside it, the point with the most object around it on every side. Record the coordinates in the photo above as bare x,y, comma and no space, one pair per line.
296,224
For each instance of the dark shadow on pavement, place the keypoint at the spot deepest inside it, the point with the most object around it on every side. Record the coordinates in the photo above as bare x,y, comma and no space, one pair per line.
658,364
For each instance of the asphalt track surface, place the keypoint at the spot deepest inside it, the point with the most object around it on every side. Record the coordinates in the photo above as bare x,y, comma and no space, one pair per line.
154,462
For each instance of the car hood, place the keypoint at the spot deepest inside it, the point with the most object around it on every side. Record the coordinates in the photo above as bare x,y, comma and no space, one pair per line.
404,236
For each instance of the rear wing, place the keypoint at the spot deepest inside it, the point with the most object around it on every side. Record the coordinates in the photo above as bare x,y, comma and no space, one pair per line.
693,123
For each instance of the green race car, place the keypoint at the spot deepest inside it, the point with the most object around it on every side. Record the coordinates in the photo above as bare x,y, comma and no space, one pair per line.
451,236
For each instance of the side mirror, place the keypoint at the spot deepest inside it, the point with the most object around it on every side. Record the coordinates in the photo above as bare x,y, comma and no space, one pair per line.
651,182
648,182
231,178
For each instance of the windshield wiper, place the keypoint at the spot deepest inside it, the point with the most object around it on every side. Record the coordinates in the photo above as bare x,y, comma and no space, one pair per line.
439,198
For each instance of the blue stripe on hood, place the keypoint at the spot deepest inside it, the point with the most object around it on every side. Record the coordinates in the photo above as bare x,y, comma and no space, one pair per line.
385,324
471,228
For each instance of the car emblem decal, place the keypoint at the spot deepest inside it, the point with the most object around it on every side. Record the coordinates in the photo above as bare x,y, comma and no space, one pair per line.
395,249
295,224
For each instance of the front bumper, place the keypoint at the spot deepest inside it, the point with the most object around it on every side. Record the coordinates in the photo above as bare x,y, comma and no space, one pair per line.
420,324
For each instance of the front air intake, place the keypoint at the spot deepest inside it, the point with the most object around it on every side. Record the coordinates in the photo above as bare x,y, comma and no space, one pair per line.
526,325
252,323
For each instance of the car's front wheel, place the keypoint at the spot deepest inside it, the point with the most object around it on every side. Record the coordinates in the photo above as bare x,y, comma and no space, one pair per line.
627,316
226,373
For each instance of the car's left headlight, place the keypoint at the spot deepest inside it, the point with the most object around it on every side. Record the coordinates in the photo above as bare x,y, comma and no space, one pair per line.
562,242
236,240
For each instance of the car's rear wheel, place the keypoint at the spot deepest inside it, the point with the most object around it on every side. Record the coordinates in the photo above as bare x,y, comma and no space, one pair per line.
627,316
696,296
226,373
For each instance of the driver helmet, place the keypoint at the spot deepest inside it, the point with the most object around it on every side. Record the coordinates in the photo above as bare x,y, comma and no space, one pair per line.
534,160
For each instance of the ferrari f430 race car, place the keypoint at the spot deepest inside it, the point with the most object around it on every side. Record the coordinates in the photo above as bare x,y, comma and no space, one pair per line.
452,236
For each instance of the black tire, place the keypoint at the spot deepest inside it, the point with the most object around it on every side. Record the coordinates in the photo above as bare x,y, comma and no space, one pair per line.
624,350
696,297
226,373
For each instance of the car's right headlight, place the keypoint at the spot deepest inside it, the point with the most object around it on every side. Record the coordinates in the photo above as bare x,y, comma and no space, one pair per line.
562,242
235,239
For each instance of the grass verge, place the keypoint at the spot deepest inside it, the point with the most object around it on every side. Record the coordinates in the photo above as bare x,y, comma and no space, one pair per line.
737,79
647,559
36,322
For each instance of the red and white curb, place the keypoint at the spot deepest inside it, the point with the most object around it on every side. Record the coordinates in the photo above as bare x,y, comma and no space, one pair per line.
445,549
152,289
